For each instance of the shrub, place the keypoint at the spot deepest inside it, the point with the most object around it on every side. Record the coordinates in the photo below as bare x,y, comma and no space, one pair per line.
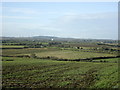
33,55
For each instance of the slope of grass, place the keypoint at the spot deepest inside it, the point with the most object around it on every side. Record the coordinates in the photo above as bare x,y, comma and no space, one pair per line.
38,73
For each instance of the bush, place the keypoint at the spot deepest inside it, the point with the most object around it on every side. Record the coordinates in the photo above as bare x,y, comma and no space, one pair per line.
33,55
101,61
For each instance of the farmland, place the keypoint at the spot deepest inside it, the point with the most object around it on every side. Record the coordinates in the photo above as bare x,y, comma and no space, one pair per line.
34,73
53,64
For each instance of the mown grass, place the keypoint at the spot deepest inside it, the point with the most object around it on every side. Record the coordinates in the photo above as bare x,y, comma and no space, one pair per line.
38,73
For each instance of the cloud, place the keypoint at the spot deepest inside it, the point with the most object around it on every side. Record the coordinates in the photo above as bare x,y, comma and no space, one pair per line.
16,17
28,29
89,16
85,19
91,25
23,10
29,11
97,25
20,10
28,26
49,28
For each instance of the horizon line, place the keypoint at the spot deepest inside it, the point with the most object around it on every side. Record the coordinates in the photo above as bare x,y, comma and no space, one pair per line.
57,37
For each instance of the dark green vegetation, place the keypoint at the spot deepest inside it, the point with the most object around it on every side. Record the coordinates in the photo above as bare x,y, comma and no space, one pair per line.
60,63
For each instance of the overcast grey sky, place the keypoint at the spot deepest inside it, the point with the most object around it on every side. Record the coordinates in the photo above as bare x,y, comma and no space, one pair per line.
95,20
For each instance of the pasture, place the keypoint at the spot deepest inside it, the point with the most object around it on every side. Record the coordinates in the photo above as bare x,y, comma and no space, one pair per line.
69,54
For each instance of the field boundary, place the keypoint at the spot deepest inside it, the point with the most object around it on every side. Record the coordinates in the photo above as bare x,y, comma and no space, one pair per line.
61,59
85,59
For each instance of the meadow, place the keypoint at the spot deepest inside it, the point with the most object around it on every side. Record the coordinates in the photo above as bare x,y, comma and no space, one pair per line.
68,54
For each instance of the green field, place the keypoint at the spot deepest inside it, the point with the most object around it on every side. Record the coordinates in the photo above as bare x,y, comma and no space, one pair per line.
38,73
55,52
59,64
11,47
68,54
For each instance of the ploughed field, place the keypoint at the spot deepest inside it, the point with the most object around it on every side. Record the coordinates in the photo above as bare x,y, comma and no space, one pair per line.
43,73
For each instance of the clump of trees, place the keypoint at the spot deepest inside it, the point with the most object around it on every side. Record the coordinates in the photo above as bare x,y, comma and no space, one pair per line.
54,43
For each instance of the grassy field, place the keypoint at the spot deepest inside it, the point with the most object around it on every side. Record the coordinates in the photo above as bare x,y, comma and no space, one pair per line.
11,47
25,51
38,73
68,54
55,52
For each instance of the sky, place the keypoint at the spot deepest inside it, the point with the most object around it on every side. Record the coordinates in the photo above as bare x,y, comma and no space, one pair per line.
86,20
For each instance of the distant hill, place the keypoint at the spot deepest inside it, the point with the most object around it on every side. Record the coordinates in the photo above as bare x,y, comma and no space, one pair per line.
52,38
39,38
44,37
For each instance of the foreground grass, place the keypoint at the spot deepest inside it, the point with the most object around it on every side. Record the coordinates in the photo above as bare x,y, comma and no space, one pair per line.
38,73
